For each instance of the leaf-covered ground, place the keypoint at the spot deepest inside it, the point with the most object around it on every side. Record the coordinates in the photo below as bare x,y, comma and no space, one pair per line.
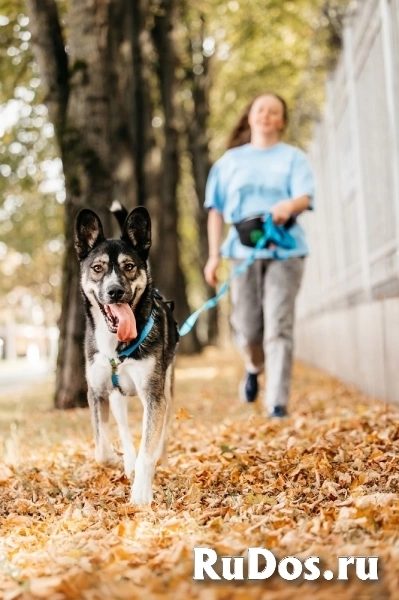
322,483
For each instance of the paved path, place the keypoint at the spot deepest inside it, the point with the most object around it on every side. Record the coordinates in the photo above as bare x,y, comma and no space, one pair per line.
18,374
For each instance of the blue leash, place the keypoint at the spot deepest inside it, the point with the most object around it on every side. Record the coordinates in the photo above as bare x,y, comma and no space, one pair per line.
272,234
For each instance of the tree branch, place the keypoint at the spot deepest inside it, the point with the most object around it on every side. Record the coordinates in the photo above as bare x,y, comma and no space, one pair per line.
49,51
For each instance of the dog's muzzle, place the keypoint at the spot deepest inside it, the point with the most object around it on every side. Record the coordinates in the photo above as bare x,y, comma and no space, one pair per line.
119,317
114,293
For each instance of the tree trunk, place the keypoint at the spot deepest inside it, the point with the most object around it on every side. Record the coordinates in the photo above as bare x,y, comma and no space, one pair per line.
201,164
147,152
101,105
94,131
88,174
171,279
196,121
124,111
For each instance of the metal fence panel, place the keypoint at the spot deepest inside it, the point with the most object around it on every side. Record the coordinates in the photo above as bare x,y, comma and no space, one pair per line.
354,231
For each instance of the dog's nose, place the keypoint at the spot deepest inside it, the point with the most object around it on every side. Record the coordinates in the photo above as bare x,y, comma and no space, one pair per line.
115,293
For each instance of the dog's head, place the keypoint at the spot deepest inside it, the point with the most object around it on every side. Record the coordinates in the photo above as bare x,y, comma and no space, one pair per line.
114,272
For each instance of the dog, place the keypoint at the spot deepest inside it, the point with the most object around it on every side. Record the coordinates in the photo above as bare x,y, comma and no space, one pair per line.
130,343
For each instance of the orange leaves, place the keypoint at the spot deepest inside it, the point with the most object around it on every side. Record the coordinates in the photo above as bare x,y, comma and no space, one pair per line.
127,528
182,414
5,474
324,482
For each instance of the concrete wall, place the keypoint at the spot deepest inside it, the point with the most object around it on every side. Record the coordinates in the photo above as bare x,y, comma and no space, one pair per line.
348,307
358,344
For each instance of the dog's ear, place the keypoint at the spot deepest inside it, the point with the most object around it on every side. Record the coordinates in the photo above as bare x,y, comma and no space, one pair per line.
88,232
137,231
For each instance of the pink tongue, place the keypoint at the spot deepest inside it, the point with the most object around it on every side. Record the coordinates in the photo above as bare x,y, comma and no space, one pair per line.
127,329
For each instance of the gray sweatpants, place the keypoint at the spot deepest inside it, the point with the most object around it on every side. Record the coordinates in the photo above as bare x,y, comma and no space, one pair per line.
263,307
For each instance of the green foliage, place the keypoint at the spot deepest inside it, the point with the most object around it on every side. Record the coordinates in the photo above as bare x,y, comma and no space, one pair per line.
31,188
269,45
238,49
232,49
16,65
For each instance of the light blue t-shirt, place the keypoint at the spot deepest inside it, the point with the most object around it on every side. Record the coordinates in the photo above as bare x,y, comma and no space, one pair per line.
248,181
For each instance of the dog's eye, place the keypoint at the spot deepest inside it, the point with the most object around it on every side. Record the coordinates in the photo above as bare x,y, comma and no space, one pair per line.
97,268
129,267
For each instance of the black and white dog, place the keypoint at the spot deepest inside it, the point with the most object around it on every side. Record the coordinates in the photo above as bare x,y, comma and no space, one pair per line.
130,345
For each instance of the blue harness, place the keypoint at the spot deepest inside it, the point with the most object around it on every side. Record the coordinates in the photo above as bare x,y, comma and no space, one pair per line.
130,349
273,234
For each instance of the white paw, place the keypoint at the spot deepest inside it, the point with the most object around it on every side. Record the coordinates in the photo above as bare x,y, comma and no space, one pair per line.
129,461
107,459
141,495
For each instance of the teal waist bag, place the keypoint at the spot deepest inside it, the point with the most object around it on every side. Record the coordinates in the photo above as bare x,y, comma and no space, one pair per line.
251,230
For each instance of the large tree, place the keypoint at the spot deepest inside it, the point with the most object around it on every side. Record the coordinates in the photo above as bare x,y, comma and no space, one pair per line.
97,74
131,89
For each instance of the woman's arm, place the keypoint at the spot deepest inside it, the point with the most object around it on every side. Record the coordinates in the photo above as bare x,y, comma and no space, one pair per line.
215,231
283,210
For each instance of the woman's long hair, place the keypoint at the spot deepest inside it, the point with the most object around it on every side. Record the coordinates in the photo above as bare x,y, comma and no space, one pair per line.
241,133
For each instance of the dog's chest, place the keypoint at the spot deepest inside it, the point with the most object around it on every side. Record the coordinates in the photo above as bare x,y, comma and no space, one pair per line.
133,375
105,341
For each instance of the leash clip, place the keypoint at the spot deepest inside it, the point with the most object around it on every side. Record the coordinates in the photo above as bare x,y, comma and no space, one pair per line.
114,371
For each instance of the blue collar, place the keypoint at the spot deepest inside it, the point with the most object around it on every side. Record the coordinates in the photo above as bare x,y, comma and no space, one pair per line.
144,332
130,349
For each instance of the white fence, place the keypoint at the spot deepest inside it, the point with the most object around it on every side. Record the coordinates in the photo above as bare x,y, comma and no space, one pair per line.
354,232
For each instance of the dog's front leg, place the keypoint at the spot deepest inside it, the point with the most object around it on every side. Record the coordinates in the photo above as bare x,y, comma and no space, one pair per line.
118,404
151,440
162,447
99,410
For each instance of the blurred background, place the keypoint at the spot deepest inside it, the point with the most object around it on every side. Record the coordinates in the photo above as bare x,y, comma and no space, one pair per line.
349,304
134,101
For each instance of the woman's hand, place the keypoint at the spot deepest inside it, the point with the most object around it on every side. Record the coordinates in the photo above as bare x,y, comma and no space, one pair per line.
282,211
210,270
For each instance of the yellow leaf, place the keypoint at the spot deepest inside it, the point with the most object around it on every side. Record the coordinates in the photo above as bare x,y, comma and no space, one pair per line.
182,415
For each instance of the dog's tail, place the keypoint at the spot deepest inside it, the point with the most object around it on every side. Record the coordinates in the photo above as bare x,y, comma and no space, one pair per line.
119,212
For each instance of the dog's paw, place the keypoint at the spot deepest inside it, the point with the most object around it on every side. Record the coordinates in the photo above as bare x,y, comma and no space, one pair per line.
142,495
129,461
109,459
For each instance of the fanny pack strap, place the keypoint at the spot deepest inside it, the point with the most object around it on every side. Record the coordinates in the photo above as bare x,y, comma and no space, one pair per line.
269,234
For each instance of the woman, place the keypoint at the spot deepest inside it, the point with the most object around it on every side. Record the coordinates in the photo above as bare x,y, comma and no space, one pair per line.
260,175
